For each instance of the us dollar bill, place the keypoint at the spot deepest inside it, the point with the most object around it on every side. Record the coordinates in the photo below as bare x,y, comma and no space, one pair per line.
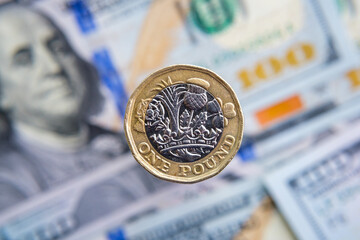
253,216
281,56
275,57
195,219
337,96
262,221
66,209
318,193
95,202
253,221
241,210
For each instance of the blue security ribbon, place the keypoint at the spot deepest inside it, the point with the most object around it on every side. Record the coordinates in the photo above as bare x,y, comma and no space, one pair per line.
247,151
117,234
111,78
83,16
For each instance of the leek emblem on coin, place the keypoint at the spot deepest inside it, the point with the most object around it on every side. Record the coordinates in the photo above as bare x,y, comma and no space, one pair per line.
184,124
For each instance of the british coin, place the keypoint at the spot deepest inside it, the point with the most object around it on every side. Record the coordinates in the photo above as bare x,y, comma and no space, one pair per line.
184,124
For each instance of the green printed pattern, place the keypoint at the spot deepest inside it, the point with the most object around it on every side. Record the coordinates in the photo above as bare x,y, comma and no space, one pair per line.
213,16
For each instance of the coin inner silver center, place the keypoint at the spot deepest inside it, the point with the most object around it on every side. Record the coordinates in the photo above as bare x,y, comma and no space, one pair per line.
184,122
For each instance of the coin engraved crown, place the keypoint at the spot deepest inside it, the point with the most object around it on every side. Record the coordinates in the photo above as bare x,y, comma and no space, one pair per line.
184,122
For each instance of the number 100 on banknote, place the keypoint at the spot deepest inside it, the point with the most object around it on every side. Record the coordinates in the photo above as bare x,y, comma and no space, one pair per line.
268,51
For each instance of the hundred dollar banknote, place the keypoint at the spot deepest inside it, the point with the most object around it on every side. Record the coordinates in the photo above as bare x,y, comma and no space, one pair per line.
240,210
288,52
59,169
118,191
280,58
65,209
338,95
194,220
264,221
318,193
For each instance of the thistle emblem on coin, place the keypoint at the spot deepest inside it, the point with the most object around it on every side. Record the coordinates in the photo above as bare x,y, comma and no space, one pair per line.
184,121
178,127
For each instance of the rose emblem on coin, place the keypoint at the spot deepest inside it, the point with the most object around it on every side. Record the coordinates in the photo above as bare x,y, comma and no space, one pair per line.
184,124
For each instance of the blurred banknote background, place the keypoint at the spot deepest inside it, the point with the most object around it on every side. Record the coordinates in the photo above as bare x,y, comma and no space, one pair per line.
67,68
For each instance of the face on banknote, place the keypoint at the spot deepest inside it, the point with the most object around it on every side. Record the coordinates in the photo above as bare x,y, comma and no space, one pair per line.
50,144
48,93
64,87
281,58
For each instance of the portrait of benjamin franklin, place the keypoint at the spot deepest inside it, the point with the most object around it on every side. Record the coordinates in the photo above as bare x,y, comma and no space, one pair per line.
47,93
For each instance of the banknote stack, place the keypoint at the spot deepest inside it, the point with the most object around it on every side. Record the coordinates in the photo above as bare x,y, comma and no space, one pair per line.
67,68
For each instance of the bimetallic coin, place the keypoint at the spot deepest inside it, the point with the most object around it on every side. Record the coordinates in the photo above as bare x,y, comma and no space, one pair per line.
184,124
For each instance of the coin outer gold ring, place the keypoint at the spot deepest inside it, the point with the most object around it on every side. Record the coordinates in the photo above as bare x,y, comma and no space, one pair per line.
180,172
